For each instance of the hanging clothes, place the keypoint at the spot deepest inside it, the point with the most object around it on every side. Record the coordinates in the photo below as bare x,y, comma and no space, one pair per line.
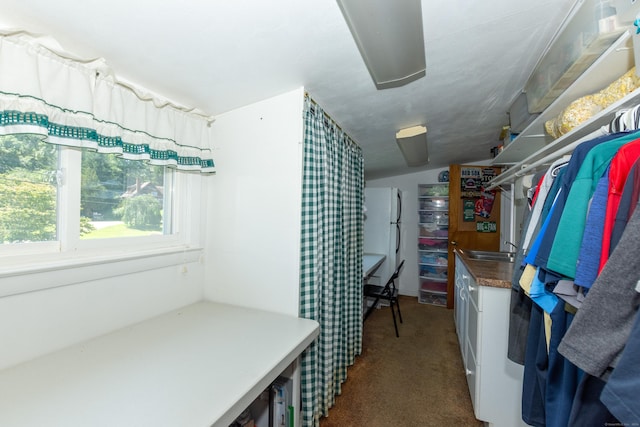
565,245
520,304
620,166
563,376
544,403
601,332
628,201
588,409
620,395
589,257
603,324
568,237
534,380
624,121
544,187
577,157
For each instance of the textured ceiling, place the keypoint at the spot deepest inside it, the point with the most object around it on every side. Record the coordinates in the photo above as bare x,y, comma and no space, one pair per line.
218,55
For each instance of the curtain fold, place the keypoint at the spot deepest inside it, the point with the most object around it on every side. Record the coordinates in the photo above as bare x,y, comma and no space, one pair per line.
45,91
331,259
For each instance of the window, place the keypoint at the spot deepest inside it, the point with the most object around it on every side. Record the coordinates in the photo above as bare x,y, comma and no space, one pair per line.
123,198
76,198
68,215
28,190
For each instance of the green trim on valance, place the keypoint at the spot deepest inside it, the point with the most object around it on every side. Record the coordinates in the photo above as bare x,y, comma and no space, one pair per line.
83,104
92,139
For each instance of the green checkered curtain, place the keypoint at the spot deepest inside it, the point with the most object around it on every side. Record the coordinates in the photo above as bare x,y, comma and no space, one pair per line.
331,259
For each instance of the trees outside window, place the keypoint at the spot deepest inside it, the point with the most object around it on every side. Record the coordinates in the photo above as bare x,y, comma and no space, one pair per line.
122,197
28,189
118,197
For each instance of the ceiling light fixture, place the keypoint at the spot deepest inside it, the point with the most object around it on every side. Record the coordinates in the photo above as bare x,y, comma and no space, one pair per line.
413,144
390,38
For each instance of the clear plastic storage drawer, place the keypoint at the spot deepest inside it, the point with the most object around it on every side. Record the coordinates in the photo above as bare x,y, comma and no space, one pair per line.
434,203
432,244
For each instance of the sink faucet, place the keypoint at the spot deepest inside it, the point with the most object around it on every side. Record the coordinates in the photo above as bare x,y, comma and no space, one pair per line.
515,247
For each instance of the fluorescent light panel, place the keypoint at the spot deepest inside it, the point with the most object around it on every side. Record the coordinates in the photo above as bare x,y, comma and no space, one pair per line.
390,38
413,144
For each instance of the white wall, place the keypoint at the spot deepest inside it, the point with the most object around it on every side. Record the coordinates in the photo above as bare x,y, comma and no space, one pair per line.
253,232
408,184
252,244
36,323
81,298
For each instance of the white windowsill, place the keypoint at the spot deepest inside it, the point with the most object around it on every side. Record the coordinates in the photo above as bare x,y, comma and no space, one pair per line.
62,270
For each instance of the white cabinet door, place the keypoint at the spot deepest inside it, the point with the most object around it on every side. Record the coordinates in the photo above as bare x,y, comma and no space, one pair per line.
472,371
482,324
474,328
460,310
499,380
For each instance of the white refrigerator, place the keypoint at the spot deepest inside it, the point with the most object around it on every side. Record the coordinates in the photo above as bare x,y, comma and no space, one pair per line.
382,229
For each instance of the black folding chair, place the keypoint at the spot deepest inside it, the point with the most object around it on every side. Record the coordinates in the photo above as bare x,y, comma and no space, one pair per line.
388,292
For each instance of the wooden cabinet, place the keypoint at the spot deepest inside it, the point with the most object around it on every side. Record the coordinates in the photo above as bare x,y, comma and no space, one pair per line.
474,214
482,324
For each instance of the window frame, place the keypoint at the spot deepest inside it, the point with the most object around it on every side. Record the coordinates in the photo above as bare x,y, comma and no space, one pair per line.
69,259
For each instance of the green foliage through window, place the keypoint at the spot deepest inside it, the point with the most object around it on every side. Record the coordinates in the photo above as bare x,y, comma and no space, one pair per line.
28,189
142,212
118,197
116,190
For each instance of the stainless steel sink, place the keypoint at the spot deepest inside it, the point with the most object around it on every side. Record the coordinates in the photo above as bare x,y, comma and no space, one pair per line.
490,255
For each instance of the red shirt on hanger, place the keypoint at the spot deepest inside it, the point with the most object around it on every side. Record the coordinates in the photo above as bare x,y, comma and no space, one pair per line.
619,168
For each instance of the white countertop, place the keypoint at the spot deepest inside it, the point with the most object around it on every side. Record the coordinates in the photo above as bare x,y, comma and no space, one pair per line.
370,263
196,366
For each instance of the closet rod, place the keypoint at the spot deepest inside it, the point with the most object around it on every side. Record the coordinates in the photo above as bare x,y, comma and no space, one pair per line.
512,173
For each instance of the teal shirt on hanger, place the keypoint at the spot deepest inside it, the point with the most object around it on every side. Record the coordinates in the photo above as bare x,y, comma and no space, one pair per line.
568,238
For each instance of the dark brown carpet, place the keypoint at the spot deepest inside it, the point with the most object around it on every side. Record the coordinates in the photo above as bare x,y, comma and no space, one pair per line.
414,380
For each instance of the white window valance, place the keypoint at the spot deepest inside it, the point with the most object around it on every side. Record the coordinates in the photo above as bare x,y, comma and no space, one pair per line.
81,103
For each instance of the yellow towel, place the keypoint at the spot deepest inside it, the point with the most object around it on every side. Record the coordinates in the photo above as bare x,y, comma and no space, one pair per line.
527,278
